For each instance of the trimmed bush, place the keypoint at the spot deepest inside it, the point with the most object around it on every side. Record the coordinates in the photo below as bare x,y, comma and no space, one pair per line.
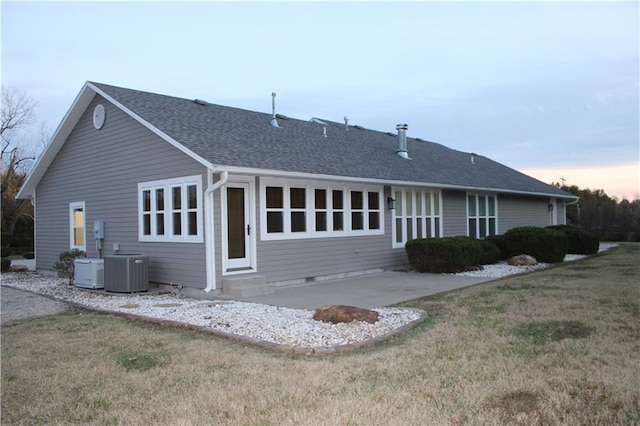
489,252
500,242
581,241
546,245
29,255
5,264
449,255
5,251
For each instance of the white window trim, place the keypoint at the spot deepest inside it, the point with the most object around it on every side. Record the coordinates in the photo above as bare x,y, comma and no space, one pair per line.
167,185
402,204
477,216
72,207
310,187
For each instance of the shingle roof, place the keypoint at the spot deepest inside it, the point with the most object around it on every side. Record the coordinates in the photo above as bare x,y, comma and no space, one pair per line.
227,136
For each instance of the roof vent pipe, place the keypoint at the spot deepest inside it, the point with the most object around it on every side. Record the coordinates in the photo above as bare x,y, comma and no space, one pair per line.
402,141
346,122
274,120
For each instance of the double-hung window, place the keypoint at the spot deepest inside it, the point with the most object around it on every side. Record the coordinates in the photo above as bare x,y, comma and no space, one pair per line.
77,226
416,215
170,210
306,209
482,215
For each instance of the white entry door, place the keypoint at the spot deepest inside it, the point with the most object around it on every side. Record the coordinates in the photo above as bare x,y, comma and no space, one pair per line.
238,226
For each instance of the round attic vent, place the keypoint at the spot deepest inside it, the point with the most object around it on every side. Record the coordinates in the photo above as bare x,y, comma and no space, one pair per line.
98,116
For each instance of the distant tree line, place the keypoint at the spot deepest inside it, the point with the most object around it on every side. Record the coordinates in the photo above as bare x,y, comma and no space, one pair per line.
608,218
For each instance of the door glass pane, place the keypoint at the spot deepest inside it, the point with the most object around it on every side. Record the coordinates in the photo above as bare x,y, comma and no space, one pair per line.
235,223
419,230
436,203
482,227
409,229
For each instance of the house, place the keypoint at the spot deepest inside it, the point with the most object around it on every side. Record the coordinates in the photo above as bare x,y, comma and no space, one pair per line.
224,200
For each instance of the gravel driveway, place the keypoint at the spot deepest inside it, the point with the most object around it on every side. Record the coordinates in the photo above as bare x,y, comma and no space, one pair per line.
17,304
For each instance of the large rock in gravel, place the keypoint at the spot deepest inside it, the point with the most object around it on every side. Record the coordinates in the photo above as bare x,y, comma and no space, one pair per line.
342,313
522,260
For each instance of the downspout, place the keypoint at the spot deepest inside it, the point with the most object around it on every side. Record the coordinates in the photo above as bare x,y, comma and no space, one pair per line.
210,246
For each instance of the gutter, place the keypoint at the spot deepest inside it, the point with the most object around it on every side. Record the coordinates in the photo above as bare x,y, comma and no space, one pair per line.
210,233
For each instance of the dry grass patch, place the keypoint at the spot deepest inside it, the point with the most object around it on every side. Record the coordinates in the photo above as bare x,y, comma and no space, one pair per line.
464,364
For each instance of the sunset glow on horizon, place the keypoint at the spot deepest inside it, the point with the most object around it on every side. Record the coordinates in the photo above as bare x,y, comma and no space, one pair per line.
620,181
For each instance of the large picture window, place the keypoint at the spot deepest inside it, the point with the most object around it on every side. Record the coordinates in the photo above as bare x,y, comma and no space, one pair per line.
416,215
77,226
299,209
170,210
481,215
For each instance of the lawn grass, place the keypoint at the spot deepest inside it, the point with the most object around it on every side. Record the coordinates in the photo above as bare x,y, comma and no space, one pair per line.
559,346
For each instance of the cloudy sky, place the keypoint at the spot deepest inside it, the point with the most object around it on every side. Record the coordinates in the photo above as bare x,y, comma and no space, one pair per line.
550,89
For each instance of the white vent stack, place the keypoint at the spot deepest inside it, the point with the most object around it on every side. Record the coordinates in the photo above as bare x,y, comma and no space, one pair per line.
346,122
402,141
274,120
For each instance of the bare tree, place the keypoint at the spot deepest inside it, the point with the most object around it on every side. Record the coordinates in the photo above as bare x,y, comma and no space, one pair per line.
16,115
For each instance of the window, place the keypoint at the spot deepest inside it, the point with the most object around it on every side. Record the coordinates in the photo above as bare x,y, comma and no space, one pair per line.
304,209
77,226
481,215
417,215
170,210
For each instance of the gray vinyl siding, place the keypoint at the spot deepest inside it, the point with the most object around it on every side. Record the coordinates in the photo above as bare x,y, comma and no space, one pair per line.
298,259
454,213
103,168
514,211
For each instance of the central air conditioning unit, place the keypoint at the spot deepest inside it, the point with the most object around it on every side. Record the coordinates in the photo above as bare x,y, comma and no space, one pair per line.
126,273
89,273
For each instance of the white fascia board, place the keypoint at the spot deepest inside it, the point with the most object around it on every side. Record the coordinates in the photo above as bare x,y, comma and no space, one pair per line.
300,175
154,129
71,118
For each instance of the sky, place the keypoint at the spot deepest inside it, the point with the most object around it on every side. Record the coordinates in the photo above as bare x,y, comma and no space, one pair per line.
550,89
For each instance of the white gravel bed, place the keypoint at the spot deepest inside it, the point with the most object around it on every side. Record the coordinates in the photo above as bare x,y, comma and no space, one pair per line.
277,325
503,269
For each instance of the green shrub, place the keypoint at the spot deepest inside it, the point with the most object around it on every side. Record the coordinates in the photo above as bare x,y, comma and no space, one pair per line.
66,264
5,251
546,245
29,255
449,255
5,264
581,241
500,242
489,252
